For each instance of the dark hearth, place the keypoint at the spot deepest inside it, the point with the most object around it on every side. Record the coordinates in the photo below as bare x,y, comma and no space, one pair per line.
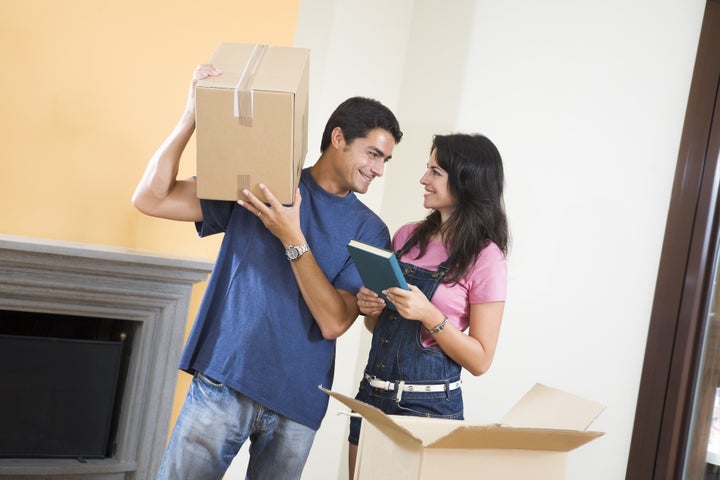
66,375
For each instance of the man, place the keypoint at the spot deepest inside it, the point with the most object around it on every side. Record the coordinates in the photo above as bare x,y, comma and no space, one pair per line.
282,290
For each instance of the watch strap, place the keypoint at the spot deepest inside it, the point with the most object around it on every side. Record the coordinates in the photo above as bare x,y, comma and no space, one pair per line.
294,252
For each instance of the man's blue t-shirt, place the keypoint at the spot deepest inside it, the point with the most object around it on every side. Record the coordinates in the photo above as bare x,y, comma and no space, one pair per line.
253,331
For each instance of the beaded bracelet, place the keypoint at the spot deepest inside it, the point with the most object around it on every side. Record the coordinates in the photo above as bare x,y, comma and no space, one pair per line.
439,328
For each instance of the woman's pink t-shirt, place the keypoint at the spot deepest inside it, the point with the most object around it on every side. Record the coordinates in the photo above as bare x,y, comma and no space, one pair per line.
485,282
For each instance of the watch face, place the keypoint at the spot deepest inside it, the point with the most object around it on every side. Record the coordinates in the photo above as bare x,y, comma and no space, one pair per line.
292,253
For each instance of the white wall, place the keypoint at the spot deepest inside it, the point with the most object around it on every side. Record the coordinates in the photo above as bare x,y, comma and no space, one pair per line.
585,101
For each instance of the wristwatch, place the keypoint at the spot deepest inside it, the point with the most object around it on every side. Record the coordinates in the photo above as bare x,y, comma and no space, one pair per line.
294,252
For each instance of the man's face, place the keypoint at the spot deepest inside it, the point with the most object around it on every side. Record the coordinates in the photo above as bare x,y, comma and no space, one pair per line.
364,159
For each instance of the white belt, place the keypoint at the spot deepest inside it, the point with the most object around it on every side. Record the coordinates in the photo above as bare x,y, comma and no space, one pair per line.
408,387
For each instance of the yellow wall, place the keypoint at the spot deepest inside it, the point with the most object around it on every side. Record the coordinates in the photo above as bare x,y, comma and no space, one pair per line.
88,90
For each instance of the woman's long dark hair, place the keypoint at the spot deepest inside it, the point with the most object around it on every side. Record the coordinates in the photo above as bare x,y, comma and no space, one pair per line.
475,180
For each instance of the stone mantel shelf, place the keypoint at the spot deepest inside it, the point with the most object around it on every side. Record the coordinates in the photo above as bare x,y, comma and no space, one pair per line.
97,281
27,251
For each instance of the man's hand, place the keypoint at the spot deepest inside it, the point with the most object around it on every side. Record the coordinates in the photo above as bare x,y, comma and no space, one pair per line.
202,71
283,221
369,302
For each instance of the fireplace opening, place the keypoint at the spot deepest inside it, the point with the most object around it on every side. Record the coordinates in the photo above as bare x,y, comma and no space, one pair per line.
63,378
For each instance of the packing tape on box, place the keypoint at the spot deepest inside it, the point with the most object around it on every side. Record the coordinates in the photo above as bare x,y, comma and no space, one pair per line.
243,94
243,182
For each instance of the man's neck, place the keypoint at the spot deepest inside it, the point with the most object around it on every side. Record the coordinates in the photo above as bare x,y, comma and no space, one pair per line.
324,175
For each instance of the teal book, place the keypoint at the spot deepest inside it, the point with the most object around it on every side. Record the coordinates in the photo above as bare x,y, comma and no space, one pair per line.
378,268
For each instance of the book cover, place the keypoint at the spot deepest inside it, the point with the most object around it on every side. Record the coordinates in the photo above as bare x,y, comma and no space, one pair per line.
378,268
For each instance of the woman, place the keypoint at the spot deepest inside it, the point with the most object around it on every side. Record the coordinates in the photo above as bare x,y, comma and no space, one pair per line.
454,262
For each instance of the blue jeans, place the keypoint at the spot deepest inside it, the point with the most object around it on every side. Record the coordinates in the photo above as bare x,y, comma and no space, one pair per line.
214,423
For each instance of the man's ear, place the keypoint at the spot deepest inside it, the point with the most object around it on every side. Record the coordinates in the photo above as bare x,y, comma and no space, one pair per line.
337,138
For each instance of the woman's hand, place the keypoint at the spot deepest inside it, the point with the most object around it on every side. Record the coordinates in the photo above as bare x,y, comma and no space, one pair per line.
414,305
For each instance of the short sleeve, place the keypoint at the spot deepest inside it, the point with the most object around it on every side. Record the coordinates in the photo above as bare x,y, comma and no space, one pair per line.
488,280
216,216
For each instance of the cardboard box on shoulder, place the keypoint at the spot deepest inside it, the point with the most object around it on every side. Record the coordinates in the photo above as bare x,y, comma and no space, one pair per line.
251,122
531,441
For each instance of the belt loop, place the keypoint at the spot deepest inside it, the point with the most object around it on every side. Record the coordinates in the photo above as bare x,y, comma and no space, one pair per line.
400,386
447,389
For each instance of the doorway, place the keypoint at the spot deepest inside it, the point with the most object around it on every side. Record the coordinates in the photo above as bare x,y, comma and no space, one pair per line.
680,377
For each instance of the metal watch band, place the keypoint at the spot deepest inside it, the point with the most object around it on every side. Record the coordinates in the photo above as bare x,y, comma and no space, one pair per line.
294,252
439,328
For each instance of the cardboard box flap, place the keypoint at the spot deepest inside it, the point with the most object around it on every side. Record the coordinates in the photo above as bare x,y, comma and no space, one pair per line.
427,430
497,437
373,415
422,430
550,408
450,434
257,67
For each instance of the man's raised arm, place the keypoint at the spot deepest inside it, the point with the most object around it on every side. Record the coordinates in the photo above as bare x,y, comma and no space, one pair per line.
159,193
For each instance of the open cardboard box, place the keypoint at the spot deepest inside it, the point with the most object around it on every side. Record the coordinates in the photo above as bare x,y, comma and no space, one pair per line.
251,122
531,441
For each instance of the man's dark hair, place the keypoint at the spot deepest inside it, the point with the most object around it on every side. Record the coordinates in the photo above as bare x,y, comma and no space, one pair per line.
356,116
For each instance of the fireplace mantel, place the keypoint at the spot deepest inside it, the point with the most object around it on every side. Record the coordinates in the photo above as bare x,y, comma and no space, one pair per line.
106,282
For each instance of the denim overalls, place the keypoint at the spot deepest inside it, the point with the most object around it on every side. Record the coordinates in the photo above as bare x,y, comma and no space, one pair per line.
397,355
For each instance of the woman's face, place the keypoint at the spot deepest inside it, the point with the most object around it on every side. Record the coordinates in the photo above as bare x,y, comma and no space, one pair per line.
437,194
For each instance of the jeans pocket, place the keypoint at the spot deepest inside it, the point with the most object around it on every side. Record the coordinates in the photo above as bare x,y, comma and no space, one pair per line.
209,380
